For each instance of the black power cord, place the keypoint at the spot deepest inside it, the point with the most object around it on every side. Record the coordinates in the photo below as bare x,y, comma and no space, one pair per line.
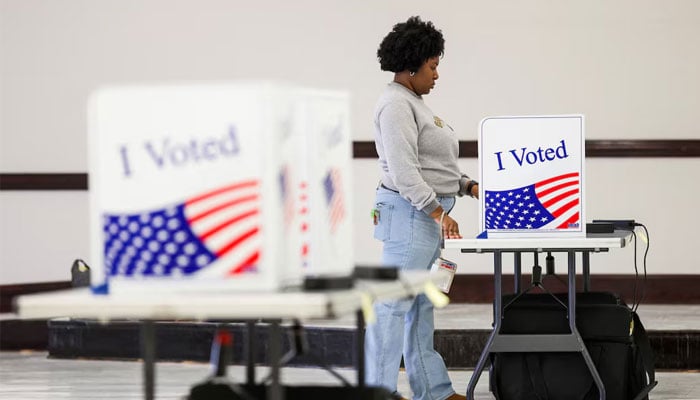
639,290
644,262
635,303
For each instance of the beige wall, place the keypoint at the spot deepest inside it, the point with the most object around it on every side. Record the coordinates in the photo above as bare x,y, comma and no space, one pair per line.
630,66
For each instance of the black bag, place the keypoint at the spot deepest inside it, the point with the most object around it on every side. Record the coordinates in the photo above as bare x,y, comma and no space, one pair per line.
614,337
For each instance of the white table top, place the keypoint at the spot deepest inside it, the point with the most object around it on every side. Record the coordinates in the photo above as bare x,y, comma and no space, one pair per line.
81,303
591,241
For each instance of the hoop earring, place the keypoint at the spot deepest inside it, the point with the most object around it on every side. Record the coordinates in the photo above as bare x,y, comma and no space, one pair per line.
411,73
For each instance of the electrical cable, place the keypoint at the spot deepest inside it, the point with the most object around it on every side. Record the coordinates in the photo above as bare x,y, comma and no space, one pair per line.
636,273
644,262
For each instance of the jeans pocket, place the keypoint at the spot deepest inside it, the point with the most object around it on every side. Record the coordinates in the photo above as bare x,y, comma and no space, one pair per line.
382,229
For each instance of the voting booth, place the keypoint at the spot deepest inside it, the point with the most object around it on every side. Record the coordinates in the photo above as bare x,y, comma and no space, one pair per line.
325,161
532,176
211,186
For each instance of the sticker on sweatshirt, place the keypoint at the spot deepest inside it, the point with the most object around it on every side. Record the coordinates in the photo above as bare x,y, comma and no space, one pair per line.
440,123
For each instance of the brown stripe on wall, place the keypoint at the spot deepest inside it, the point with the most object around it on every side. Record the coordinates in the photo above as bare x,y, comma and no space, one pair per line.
658,289
642,148
594,148
57,181
365,149
9,292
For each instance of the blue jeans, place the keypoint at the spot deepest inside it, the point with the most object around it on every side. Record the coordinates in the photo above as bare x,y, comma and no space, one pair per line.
411,242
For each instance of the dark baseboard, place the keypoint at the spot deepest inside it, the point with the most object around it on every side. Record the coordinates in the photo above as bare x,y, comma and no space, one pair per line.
191,341
17,334
478,288
656,289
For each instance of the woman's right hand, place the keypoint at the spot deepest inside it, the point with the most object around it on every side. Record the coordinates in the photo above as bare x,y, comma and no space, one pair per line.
450,227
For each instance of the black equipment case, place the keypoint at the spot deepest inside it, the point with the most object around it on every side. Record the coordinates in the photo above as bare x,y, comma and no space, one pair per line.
614,337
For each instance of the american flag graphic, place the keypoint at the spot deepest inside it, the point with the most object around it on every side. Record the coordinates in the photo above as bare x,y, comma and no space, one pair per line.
304,223
549,204
287,199
221,225
332,185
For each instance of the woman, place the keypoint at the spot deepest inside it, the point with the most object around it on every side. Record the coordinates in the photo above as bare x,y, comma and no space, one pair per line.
420,179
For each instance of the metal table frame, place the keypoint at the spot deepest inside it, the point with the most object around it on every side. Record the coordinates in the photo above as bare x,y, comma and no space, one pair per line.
273,307
571,342
276,391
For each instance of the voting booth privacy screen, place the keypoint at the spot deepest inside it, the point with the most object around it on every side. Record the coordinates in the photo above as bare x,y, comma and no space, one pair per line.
532,176
241,186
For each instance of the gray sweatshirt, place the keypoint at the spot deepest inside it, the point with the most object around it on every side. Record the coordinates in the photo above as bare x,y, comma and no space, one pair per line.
418,151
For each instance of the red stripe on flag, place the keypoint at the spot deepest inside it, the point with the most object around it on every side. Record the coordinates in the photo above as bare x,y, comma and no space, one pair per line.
566,207
246,264
555,188
337,205
572,220
337,214
222,206
556,178
235,186
235,242
219,227
554,200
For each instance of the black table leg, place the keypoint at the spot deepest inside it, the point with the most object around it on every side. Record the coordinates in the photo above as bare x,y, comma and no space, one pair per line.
148,351
517,265
485,354
572,325
250,353
586,258
360,343
275,391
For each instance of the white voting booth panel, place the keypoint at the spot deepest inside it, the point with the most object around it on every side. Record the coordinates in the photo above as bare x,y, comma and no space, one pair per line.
326,154
532,176
201,186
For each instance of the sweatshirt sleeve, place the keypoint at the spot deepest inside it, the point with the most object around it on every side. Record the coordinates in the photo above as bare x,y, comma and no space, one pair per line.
463,181
399,134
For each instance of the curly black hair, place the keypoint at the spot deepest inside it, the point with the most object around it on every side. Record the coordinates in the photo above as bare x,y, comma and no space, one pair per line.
409,45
